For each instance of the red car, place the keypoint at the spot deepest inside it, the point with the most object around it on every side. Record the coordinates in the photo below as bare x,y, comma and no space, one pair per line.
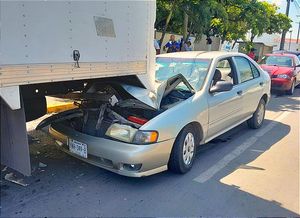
284,70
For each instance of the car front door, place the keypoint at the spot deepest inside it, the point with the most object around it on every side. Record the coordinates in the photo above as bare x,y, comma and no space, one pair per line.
251,84
224,107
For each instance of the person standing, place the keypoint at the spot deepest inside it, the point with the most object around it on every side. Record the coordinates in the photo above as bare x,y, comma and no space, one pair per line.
208,42
172,45
187,46
157,47
251,54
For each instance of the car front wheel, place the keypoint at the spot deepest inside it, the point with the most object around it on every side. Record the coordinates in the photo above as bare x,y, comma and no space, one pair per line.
184,151
258,117
292,89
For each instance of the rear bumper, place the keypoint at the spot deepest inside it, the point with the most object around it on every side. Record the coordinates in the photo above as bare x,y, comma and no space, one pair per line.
112,155
281,84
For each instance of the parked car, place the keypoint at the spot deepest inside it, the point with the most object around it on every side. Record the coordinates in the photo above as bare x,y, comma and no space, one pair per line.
132,131
284,70
297,53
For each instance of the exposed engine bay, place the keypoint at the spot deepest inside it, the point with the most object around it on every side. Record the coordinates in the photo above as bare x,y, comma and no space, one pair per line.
117,111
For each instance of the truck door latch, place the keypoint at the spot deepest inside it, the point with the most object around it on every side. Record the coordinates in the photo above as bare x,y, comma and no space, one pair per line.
76,57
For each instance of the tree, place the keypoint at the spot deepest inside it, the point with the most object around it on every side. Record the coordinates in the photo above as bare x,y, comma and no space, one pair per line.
231,20
184,16
232,24
266,19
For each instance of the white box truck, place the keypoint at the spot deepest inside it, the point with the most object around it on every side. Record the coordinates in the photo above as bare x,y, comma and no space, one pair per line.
54,47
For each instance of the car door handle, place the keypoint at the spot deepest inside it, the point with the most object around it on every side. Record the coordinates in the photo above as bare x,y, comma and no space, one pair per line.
261,83
240,92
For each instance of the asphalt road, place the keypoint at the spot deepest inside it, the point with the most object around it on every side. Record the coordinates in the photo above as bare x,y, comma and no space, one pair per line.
242,173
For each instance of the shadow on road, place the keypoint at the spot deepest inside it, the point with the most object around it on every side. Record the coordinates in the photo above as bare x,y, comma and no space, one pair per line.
288,102
69,187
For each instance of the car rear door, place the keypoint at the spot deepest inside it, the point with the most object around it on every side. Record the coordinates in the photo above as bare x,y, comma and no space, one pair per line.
251,84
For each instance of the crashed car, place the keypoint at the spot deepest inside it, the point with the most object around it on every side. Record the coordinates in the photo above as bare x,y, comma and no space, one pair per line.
132,131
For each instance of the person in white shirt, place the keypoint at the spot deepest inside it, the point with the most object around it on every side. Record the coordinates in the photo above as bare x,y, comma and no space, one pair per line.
187,46
157,47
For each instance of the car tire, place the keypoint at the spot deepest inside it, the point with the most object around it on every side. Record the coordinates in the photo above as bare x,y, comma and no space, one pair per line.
183,151
292,89
257,119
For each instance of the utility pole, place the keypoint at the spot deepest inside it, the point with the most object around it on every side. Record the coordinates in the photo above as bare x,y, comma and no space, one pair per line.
284,32
290,39
298,33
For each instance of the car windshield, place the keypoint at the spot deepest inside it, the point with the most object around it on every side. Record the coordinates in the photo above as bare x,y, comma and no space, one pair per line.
283,61
194,70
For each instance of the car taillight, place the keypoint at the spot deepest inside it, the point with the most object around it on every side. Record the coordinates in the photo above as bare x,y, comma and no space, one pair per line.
137,120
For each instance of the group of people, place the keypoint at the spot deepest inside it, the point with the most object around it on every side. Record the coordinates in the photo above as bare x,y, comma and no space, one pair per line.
174,46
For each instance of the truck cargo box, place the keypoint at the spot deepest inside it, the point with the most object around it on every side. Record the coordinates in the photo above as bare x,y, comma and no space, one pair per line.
40,40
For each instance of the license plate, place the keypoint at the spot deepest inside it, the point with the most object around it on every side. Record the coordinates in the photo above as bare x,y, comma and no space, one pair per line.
78,148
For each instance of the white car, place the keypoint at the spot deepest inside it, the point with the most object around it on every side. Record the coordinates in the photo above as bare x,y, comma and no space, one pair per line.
131,131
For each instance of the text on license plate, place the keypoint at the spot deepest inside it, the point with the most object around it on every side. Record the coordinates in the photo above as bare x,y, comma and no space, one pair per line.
78,148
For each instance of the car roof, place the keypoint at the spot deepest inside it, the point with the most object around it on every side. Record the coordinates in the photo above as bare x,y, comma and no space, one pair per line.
286,52
199,54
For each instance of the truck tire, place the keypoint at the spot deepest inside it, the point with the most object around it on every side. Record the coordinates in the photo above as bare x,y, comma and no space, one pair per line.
258,117
183,151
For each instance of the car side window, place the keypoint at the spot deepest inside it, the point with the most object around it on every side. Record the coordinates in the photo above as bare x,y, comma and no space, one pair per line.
224,72
244,69
255,71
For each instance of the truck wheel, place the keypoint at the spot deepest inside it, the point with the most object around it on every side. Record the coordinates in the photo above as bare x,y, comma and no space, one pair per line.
292,89
183,151
258,117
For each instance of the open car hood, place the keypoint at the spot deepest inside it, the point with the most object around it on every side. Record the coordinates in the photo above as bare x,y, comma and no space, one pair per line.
152,99
142,98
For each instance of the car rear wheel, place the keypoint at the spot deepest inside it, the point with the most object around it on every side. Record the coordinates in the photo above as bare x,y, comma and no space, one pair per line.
184,151
292,89
258,117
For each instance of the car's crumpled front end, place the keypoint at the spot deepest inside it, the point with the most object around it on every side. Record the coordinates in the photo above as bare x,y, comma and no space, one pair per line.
105,128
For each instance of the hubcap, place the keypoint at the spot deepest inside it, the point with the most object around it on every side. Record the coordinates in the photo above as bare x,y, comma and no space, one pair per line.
188,148
260,113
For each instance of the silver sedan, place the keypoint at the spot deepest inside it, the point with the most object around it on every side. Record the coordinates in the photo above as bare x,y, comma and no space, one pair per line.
127,129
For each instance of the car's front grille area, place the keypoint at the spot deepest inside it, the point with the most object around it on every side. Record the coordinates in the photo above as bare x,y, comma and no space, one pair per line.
101,160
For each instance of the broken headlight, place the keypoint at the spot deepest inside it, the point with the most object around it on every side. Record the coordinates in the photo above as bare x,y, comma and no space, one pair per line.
121,132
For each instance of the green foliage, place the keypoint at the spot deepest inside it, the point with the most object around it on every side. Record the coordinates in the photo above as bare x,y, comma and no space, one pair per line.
229,19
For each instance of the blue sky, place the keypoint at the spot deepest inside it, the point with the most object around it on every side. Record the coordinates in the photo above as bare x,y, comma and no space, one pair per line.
294,11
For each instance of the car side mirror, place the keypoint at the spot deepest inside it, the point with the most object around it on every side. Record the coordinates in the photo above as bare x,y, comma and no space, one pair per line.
297,66
221,86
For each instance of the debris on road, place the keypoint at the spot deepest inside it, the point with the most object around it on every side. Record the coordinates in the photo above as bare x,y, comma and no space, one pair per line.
32,139
42,165
58,143
80,175
4,169
11,178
